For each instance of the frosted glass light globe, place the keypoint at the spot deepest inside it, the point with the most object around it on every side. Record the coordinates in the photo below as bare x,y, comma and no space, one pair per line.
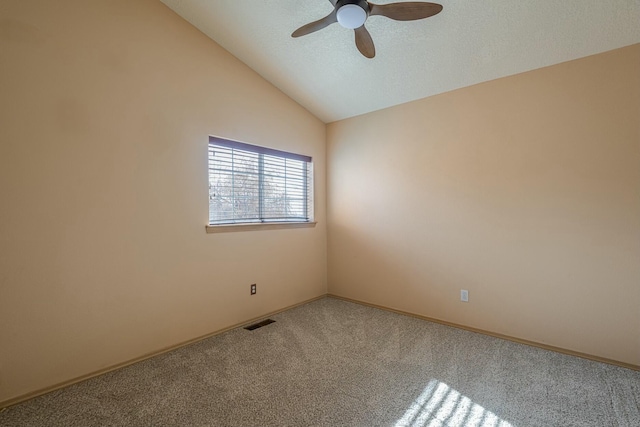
351,16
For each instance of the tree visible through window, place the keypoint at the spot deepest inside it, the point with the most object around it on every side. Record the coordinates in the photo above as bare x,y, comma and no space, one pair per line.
249,184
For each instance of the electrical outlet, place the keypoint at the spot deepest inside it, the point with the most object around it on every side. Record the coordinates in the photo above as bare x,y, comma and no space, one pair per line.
253,289
464,295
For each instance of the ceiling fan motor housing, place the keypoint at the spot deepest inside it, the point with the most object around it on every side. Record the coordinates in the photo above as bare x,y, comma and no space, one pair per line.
352,13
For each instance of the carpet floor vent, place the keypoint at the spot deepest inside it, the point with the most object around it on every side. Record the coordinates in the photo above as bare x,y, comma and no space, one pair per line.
259,324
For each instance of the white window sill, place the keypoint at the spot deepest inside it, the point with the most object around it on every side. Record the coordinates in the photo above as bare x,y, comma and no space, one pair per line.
257,226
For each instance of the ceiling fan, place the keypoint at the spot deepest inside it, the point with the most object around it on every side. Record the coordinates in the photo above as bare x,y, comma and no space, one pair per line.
352,14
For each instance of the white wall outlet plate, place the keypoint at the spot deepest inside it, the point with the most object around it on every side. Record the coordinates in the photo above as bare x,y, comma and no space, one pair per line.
464,295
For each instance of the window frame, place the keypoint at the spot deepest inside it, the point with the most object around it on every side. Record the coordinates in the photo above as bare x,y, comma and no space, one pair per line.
262,223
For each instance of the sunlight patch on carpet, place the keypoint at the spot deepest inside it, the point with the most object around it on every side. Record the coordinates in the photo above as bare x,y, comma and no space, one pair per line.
441,406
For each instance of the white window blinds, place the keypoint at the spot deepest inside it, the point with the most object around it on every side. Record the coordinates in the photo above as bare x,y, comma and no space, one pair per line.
249,184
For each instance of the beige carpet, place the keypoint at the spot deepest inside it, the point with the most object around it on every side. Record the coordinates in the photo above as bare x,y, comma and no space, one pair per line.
335,363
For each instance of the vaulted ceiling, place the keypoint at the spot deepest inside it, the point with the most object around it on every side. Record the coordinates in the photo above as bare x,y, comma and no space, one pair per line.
469,42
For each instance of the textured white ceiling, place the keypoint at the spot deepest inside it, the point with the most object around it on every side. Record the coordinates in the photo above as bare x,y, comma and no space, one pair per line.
467,43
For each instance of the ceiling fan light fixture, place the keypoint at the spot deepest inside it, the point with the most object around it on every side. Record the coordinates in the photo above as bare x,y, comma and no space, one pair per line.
351,16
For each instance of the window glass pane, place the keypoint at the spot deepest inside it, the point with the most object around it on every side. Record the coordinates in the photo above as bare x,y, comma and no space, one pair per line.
256,184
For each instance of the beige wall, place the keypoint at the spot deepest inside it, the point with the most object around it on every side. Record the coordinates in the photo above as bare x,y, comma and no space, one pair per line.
523,190
105,110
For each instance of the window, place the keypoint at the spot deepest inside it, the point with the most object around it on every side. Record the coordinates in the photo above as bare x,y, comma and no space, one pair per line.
252,184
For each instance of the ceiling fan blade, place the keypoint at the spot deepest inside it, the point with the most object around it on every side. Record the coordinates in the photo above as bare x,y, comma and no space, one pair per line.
317,25
407,11
364,42
333,2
